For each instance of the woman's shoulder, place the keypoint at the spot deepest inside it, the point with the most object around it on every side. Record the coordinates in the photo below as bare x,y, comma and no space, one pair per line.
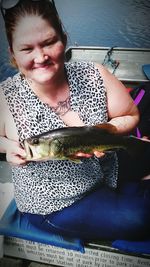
80,64
83,67
10,82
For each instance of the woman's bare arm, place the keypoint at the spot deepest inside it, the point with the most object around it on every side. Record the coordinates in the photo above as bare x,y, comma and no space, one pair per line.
122,111
14,153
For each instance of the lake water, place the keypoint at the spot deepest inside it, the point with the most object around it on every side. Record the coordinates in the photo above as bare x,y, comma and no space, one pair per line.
96,23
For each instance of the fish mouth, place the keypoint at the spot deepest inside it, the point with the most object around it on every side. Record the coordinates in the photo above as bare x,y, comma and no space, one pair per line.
29,151
36,151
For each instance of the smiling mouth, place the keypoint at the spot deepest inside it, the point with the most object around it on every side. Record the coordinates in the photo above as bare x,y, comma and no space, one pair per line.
43,65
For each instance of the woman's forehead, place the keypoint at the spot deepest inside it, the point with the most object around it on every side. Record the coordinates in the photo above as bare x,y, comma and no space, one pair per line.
32,30
31,25
27,20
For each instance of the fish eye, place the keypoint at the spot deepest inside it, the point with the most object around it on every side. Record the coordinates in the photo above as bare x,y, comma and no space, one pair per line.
35,141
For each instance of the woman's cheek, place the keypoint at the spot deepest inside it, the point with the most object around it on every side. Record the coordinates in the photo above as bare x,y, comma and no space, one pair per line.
59,51
25,63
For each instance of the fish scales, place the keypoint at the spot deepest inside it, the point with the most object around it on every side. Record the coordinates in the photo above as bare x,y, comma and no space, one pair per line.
79,141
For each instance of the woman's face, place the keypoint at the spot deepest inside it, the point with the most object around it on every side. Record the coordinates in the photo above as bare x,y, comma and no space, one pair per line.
38,49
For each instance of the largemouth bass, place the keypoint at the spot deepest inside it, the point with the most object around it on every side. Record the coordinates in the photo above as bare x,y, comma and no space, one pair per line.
65,143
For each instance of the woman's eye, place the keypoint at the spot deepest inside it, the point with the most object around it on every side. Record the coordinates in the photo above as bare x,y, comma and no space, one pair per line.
27,49
48,44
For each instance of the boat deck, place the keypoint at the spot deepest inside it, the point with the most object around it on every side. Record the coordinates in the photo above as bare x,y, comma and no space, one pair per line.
130,60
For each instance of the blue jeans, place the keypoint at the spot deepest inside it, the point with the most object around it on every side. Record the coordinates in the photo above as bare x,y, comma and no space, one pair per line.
103,214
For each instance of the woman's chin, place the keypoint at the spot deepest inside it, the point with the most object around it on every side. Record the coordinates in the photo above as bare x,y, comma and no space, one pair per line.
43,78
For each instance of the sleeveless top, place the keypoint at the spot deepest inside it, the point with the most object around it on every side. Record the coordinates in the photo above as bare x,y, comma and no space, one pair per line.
45,187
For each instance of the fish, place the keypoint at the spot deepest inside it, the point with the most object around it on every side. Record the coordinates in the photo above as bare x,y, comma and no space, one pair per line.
64,143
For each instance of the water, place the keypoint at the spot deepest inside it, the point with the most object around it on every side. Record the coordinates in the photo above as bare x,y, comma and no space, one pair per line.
96,23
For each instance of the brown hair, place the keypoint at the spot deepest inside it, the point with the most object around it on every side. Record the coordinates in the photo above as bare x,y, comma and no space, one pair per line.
43,8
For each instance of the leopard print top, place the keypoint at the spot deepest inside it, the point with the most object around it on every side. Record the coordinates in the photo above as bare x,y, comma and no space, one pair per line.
45,187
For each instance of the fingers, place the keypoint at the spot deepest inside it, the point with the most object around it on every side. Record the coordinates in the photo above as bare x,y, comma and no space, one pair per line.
21,153
98,154
83,155
15,155
146,138
15,160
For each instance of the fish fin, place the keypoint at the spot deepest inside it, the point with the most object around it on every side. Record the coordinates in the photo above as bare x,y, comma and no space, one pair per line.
78,161
107,126
74,159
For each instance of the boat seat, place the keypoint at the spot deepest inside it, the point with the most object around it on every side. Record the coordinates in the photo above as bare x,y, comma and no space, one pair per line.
14,224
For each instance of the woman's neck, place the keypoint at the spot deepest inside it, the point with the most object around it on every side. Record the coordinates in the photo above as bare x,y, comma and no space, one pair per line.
51,93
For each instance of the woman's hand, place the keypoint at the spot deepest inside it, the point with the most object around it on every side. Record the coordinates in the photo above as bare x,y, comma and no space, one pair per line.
15,154
146,138
98,154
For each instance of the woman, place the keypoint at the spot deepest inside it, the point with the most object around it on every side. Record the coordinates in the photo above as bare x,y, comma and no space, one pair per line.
48,93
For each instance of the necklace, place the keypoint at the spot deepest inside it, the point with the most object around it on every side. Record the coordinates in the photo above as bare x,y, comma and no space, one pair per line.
62,107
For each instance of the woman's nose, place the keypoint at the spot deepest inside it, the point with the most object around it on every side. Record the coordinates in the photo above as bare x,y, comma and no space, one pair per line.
40,56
